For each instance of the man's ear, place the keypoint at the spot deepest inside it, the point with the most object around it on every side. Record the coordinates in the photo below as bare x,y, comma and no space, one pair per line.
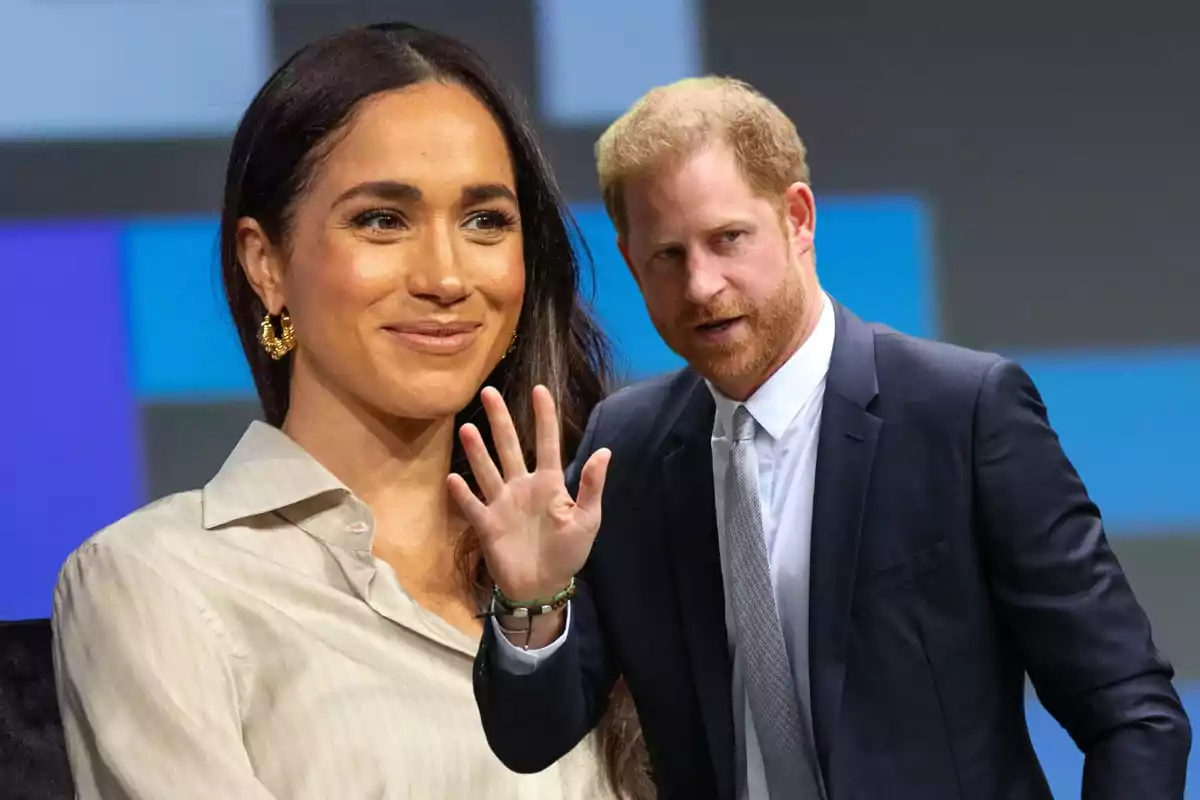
800,214
623,246
260,260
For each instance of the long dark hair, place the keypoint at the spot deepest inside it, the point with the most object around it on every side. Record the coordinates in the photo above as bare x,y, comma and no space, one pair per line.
291,126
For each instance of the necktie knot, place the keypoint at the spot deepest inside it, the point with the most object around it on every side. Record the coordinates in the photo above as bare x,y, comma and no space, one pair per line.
743,425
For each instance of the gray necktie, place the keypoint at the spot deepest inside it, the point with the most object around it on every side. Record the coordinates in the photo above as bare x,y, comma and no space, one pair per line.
779,720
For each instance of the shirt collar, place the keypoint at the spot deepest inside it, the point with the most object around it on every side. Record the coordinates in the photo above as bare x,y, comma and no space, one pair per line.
267,471
789,389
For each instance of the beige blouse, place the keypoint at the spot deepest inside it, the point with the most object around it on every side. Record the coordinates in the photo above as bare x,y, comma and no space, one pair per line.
241,642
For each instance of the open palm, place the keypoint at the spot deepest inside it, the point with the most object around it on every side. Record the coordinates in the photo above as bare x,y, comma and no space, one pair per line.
535,537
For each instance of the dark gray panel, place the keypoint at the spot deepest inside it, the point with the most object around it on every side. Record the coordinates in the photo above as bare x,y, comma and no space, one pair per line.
186,443
1058,149
1162,571
502,33
111,178
571,151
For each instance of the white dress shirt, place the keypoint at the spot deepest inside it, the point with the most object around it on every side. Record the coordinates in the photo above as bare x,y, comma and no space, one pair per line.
787,409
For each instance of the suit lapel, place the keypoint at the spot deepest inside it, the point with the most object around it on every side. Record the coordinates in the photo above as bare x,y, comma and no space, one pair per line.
845,452
848,437
691,532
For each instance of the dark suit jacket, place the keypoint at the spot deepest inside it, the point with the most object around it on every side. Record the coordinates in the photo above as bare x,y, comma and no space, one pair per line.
954,551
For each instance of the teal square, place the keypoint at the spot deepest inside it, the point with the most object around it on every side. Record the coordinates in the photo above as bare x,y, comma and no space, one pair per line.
184,344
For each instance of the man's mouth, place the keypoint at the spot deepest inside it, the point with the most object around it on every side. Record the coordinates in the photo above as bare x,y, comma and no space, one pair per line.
717,326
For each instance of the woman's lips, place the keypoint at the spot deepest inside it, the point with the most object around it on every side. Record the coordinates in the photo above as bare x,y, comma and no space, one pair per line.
437,338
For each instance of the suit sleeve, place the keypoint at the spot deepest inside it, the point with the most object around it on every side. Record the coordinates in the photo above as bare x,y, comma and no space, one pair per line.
511,658
146,685
534,717
1085,641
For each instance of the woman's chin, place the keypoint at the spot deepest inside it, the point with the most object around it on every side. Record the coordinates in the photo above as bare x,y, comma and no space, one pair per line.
430,399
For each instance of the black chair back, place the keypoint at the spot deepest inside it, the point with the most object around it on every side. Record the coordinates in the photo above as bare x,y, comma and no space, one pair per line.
33,758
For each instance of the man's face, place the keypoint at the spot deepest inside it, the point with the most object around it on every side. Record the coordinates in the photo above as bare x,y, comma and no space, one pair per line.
725,273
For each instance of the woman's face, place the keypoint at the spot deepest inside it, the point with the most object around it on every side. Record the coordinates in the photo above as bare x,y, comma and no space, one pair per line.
404,269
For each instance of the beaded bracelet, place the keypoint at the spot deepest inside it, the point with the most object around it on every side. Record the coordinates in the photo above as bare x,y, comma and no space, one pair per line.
532,608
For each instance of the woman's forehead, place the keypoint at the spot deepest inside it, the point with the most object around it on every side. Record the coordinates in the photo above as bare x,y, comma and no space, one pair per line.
433,133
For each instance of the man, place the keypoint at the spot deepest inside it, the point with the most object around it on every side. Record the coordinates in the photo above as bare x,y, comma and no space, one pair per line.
830,552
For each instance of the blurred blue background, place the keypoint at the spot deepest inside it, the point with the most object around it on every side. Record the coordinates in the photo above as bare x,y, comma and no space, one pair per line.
974,183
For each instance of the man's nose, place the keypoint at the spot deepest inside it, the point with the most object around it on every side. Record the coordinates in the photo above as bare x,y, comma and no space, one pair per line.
704,279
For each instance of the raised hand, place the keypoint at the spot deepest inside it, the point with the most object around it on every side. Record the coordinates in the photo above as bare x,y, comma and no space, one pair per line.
535,537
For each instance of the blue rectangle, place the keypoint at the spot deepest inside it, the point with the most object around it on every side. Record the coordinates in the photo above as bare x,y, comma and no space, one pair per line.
70,449
618,302
131,69
586,73
873,256
1128,421
184,344
1127,418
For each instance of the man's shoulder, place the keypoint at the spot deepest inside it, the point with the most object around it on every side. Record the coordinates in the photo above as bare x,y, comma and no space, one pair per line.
652,392
928,365
638,410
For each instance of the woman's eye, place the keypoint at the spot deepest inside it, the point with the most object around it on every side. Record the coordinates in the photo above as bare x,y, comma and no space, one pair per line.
379,220
490,221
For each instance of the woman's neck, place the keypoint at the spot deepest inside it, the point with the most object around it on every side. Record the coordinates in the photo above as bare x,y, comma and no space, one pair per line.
398,467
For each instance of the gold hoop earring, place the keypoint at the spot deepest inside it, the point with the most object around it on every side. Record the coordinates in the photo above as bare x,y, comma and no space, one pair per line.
512,345
277,346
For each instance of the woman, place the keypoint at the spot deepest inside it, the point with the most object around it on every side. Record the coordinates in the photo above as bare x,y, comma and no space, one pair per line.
304,626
